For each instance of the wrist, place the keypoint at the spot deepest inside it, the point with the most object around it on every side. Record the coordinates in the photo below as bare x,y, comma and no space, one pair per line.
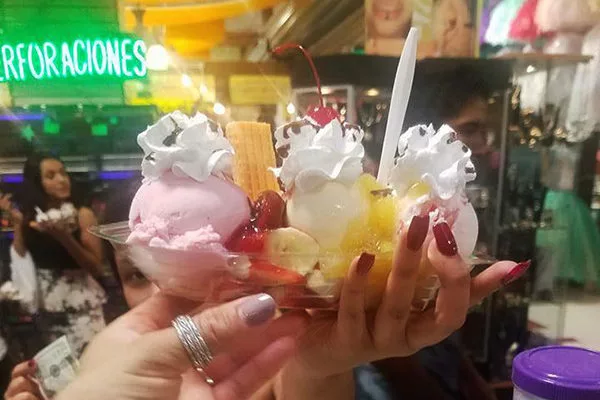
65,238
295,382
18,227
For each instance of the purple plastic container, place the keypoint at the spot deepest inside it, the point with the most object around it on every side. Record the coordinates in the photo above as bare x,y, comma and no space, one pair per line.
557,373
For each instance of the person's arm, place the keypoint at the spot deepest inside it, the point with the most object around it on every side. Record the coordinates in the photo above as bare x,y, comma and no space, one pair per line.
88,254
408,379
472,385
7,205
294,383
19,240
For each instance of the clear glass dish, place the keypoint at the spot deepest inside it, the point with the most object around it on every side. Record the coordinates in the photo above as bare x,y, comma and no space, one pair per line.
220,276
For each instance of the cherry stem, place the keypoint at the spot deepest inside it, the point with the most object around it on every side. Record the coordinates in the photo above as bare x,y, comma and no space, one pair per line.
294,46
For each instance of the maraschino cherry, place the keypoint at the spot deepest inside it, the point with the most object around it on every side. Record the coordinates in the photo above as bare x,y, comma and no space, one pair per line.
321,114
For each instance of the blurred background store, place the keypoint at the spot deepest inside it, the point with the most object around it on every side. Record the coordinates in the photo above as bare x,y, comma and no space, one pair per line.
81,79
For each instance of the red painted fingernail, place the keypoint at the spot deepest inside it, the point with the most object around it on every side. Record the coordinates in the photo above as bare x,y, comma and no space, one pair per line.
365,263
31,363
417,232
445,239
515,273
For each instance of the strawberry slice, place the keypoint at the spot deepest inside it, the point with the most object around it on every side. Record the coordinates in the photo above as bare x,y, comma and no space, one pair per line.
265,273
269,211
247,240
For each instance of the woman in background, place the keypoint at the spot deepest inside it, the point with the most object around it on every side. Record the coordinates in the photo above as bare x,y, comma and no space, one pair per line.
66,256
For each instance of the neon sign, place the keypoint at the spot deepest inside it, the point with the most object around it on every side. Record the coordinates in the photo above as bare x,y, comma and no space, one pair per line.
122,57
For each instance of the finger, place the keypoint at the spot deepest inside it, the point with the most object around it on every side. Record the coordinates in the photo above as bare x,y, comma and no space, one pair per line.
290,325
24,369
397,299
221,328
351,319
37,226
24,396
257,371
493,278
156,313
452,302
20,384
451,305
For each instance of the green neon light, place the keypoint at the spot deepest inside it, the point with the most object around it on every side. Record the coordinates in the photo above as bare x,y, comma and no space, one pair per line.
51,127
100,130
120,57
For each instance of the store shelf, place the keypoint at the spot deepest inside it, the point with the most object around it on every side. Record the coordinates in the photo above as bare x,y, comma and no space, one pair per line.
532,62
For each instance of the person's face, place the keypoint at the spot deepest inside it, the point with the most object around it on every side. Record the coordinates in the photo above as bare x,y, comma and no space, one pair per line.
55,180
471,125
390,16
136,287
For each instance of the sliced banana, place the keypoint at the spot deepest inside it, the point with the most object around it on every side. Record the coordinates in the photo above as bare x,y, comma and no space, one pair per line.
292,249
329,289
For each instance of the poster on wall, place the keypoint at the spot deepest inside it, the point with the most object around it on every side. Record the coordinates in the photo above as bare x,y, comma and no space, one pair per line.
447,28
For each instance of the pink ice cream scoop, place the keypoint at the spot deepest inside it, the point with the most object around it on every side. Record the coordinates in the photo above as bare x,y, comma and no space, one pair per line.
187,207
184,214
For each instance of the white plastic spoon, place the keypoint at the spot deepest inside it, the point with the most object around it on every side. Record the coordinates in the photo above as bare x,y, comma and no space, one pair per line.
398,104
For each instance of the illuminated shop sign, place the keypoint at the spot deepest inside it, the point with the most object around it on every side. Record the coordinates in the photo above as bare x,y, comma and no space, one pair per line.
122,57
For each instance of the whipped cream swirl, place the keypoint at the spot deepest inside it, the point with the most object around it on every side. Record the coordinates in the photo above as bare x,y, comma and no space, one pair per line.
66,215
193,147
438,159
313,155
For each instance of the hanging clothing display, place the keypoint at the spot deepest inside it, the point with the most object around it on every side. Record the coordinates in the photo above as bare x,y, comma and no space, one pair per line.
569,246
564,16
486,13
501,17
559,166
583,116
523,28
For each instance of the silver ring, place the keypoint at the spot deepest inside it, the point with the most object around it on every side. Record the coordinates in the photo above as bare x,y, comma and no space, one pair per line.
193,342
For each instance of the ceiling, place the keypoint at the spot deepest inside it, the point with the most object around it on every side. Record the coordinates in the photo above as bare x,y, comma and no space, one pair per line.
195,28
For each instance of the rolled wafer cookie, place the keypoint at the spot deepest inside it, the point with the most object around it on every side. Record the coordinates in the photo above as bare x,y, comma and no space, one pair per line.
254,156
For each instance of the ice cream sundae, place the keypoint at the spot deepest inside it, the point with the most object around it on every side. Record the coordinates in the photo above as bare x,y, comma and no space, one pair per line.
66,214
211,222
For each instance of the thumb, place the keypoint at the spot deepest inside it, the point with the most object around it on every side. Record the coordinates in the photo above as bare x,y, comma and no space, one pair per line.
37,226
221,328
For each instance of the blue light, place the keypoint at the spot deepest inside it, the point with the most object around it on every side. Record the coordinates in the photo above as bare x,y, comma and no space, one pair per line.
12,178
105,176
22,117
117,175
